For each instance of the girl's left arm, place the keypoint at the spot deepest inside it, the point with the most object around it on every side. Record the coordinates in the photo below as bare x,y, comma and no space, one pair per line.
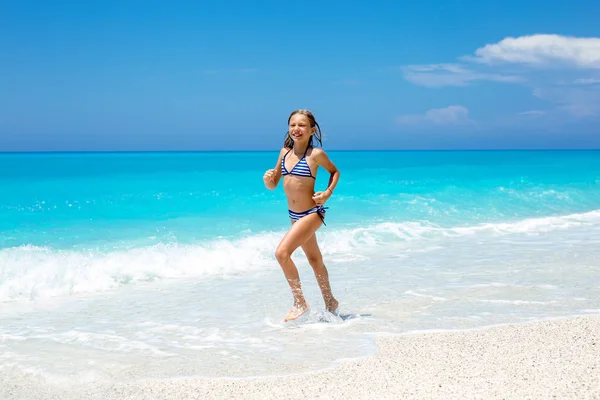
323,160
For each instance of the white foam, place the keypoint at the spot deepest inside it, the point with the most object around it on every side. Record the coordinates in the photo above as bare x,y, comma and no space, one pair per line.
508,285
383,233
516,302
428,296
30,272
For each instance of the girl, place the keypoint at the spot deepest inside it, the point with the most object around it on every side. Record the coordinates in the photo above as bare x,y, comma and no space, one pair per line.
297,160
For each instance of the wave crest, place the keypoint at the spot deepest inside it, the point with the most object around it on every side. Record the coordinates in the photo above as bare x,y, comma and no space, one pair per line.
28,272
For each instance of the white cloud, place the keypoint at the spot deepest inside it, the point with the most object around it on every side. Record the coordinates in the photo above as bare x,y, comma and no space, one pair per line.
542,50
586,81
437,75
535,113
452,115
561,70
534,51
576,101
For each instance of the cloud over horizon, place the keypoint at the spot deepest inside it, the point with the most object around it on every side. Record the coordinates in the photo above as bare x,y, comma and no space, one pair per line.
438,75
542,50
560,70
451,115
578,102
537,51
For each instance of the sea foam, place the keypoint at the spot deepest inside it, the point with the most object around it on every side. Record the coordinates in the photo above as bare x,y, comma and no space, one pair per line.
28,272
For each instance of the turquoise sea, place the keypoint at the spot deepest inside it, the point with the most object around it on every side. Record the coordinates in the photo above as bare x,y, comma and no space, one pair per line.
117,266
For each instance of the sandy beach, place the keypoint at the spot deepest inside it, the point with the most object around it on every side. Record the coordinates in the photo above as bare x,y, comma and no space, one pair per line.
541,360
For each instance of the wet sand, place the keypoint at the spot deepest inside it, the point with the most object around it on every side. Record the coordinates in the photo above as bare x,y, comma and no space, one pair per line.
541,360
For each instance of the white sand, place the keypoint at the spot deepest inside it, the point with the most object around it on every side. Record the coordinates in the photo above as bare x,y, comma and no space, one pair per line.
554,359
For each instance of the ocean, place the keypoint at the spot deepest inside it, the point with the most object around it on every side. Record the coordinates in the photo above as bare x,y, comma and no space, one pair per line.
121,266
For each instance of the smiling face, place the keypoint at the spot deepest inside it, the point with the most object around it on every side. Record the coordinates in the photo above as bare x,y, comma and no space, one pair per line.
299,129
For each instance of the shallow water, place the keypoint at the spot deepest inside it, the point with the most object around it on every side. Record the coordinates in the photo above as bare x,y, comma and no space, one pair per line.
124,266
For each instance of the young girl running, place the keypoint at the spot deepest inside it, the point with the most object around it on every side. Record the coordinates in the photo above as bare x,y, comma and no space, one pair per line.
298,163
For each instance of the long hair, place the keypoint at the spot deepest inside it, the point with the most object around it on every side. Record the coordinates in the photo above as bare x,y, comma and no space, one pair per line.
289,142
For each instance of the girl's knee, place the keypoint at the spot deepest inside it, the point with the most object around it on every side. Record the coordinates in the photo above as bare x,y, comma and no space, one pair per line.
282,254
315,261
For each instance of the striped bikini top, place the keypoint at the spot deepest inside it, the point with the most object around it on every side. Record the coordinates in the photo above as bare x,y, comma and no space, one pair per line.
300,169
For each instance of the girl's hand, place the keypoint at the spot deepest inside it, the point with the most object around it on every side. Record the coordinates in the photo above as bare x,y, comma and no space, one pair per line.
269,176
321,197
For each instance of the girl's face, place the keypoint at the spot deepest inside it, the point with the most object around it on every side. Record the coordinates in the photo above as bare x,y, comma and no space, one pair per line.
300,129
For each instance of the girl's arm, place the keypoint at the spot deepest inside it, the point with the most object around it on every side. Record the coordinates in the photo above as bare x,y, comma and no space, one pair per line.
323,160
272,176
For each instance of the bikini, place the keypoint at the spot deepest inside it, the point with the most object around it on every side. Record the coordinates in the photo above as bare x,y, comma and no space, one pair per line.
302,169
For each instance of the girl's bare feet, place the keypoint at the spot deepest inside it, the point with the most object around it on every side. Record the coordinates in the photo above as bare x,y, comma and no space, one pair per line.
296,312
332,305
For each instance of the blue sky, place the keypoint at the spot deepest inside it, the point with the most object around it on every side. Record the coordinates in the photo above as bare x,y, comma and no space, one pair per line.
193,75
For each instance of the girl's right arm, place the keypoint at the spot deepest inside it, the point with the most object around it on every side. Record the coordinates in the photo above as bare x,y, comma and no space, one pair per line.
272,176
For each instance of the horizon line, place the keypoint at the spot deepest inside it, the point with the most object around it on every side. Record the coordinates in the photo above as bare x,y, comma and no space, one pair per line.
271,150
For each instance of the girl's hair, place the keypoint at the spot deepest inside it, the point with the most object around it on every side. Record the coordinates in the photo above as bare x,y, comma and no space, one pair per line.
289,143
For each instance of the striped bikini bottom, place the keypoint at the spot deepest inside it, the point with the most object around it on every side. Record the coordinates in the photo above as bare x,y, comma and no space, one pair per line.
320,210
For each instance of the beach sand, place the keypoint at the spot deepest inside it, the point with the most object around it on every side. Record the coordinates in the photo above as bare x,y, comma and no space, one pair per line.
541,360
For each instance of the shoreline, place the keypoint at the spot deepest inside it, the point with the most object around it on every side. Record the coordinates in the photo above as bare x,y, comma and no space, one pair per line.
556,357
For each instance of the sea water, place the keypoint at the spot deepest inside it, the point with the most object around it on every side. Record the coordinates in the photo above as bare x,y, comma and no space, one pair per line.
117,266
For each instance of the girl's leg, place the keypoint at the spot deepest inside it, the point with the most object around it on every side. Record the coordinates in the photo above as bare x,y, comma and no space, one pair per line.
299,232
315,259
